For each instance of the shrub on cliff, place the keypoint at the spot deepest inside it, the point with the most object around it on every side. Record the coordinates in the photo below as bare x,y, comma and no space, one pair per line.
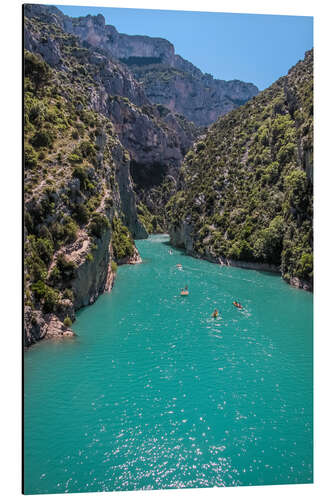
51,300
68,294
70,230
88,150
46,295
57,232
145,217
30,157
45,249
35,267
98,225
36,70
122,241
74,158
305,266
66,267
42,139
38,253
269,242
55,276
68,322
81,213
82,173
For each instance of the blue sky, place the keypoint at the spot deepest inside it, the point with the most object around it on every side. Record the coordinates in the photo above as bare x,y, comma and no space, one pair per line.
249,47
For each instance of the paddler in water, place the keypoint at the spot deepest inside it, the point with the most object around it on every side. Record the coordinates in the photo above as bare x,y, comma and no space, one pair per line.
237,304
215,313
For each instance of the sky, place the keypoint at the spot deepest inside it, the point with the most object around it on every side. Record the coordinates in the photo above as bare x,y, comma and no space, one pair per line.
250,47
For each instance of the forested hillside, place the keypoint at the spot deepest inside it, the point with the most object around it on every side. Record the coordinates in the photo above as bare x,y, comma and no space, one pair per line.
245,189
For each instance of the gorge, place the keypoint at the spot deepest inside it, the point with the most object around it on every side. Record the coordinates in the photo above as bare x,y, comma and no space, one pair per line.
117,147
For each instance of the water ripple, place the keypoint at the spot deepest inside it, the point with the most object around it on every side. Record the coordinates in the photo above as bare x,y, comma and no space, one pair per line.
155,393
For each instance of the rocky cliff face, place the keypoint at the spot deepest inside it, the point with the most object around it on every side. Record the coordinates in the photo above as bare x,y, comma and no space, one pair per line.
153,136
244,195
199,97
80,206
166,77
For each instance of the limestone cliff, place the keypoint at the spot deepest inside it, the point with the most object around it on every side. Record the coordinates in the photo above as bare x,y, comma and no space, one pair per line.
199,97
79,201
152,135
166,77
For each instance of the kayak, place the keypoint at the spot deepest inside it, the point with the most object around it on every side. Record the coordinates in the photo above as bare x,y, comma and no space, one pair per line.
237,305
184,292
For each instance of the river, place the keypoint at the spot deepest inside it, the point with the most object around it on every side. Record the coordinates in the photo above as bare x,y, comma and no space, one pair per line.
155,393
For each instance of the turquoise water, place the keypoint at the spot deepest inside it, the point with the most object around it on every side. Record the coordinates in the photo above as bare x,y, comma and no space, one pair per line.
154,393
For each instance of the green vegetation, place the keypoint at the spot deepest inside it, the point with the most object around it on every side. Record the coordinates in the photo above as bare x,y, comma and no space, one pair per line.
246,188
155,218
43,138
56,205
98,224
140,61
152,223
122,241
68,294
36,70
66,268
68,322
30,157
46,295
89,257
154,72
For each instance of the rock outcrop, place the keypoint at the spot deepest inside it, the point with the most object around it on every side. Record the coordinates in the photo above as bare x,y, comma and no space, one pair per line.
39,325
155,138
77,182
199,97
166,77
91,275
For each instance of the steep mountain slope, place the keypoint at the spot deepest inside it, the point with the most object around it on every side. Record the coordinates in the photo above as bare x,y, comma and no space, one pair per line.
245,189
166,77
78,196
155,138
